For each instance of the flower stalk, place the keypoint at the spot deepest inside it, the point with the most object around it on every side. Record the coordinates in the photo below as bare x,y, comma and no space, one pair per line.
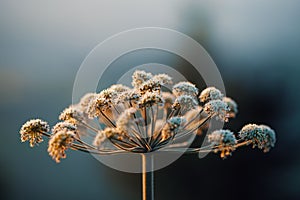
147,177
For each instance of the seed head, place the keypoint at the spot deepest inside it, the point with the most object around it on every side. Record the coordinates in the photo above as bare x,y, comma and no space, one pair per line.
185,88
222,137
32,130
151,85
261,136
71,114
269,139
218,108
140,77
144,118
85,101
171,128
128,96
64,126
149,99
115,133
224,142
101,102
164,79
253,133
118,88
186,101
232,105
210,93
59,143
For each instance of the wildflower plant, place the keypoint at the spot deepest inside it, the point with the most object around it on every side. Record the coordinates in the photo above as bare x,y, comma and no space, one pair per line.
145,119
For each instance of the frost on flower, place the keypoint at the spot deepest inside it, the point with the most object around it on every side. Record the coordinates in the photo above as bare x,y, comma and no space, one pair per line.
232,105
261,136
253,133
85,101
139,77
150,99
171,127
59,143
224,141
186,102
117,88
218,108
151,85
33,131
210,93
269,139
64,126
185,88
71,114
144,119
164,79
129,96
98,105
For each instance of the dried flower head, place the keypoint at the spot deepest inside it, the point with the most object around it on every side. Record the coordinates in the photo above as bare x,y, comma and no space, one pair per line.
64,126
218,108
252,132
59,143
33,131
119,88
151,85
145,119
232,105
210,93
171,128
85,101
185,88
261,136
151,98
129,96
269,139
71,114
224,141
116,136
163,79
97,105
186,102
139,77
222,137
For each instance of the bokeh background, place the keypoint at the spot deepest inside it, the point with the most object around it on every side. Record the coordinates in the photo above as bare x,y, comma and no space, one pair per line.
255,44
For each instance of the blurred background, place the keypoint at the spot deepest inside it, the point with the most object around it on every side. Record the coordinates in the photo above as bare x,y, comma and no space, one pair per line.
255,44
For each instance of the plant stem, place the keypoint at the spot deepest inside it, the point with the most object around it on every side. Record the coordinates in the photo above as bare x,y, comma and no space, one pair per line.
147,177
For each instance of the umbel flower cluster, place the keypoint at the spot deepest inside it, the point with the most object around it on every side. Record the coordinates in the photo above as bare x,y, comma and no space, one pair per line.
146,118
